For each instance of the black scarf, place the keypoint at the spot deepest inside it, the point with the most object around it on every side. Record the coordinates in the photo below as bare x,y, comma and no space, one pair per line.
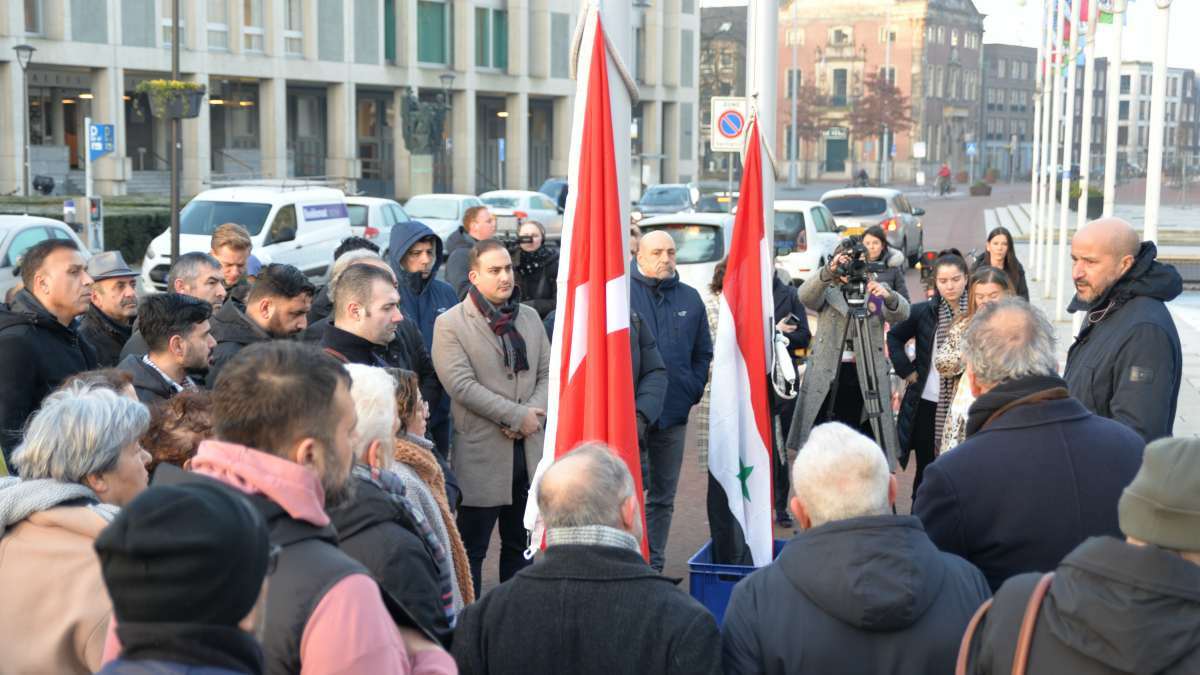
530,263
191,644
1008,395
502,320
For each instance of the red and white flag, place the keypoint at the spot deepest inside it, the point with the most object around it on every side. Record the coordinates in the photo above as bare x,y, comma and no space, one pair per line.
739,441
591,369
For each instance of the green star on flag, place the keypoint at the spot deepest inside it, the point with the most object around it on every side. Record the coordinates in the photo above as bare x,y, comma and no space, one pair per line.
743,476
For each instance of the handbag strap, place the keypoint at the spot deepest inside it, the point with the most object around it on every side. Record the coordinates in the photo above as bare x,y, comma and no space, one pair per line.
964,648
1025,637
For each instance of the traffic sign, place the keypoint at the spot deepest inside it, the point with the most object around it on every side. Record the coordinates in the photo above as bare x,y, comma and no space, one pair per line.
728,124
972,150
101,140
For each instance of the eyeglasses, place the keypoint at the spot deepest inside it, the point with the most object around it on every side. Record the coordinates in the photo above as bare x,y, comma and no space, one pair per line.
273,558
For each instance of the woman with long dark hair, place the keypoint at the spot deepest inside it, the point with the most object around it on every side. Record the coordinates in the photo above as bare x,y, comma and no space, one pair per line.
927,397
878,251
1001,254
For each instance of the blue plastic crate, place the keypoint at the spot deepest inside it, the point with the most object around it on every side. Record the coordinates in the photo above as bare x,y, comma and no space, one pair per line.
712,584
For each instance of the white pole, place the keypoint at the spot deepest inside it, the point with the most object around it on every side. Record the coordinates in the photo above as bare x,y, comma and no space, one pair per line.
1068,159
794,146
1113,109
1043,224
1158,110
1055,128
88,229
764,66
1085,133
1035,177
885,174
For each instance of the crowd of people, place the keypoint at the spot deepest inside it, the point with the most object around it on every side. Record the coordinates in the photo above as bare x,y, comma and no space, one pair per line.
249,473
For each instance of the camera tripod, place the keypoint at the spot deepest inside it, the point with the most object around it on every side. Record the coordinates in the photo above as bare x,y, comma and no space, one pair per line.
864,364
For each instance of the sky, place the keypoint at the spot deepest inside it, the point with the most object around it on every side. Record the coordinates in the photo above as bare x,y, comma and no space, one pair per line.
1015,22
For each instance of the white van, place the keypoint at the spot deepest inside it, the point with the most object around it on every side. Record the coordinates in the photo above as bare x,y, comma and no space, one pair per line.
299,226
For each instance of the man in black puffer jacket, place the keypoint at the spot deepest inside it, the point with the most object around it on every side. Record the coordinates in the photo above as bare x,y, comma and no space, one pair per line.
1126,363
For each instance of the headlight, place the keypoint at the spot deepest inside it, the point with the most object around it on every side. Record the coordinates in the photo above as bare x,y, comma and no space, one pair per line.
636,215
149,253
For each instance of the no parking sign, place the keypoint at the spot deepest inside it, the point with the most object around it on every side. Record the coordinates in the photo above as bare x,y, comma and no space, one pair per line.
728,124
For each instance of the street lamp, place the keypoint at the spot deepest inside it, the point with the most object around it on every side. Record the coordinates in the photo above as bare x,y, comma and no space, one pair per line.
447,79
24,56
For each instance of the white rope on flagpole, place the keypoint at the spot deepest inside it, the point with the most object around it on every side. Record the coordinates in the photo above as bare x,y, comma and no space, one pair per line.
590,10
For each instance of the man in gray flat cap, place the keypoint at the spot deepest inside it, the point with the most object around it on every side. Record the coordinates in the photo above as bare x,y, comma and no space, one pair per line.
108,322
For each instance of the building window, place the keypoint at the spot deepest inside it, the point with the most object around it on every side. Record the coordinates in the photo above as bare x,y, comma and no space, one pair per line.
939,82
1001,68
433,32
1122,135
795,78
941,35
253,38
954,37
1145,86
33,17
167,28
1124,84
491,38
885,34
1172,86
560,41
888,74
293,33
218,25
1143,107
841,36
839,87
794,36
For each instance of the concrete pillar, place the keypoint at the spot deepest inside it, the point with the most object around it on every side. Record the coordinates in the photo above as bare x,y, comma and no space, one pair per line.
539,40
341,130
561,147
518,38
652,140
197,146
652,29
274,20
110,172
670,51
12,127
57,132
406,35
670,142
463,138
56,20
516,142
463,59
272,126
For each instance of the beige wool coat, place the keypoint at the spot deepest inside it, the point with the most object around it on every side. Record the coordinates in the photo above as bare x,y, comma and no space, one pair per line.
487,398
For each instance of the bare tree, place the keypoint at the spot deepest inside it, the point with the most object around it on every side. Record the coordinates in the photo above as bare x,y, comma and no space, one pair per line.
810,122
881,108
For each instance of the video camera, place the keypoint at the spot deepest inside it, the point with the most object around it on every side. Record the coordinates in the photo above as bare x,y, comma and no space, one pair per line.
857,269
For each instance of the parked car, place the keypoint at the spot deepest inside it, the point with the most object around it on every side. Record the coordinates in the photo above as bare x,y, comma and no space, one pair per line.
805,237
856,209
300,226
513,207
18,233
666,198
556,189
718,202
443,213
374,217
701,241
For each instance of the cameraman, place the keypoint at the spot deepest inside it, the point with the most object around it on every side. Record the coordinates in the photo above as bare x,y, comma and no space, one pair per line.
535,266
832,354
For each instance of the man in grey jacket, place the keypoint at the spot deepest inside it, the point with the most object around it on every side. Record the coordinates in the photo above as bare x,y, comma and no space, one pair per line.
493,358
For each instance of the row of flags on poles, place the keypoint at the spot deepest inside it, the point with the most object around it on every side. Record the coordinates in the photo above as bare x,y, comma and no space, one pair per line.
591,380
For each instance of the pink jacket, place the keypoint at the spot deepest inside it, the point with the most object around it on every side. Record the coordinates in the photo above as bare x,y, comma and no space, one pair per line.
350,631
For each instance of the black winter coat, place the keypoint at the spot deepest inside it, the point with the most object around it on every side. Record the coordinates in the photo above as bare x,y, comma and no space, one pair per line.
36,354
1126,364
787,301
1022,492
587,610
151,388
1112,608
233,331
458,245
537,277
105,336
866,595
375,530
921,324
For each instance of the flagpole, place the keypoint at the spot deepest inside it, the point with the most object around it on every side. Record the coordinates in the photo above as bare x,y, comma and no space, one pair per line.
1043,224
615,15
763,73
1068,161
1113,109
1035,178
1085,124
1055,147
1158,113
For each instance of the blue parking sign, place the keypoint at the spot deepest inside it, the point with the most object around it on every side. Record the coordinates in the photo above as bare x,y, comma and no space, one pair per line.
101,140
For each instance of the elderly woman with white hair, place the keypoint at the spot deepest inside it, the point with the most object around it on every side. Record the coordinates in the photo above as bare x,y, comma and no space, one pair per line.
380,527
79,463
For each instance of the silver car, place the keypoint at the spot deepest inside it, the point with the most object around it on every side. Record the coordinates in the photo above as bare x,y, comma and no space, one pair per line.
856,209
18,233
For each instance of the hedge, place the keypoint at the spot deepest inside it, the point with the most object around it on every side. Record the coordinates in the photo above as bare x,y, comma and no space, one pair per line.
126,229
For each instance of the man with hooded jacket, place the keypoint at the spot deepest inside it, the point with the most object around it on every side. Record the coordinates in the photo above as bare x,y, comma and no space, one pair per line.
415,254
1126,362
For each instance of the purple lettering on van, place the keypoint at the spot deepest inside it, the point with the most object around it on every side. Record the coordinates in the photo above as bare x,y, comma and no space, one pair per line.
325,212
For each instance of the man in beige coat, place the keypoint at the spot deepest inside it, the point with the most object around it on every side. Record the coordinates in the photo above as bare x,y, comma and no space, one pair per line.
493,358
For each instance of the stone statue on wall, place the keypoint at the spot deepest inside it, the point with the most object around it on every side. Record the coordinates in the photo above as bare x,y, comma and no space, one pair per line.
423,123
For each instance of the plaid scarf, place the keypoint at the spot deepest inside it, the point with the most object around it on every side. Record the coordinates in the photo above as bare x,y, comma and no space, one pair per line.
946,385
502,321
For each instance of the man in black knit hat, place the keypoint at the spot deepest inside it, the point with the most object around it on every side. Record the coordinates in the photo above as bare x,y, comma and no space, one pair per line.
185,566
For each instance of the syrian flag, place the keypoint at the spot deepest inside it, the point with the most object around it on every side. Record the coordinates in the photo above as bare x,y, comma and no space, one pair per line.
739,454
591,369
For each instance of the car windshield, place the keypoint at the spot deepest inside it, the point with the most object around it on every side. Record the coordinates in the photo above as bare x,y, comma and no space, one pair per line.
203,217
788,225
855,205
665,197
501,202
693,243
426,207
551,188
358,215
716,204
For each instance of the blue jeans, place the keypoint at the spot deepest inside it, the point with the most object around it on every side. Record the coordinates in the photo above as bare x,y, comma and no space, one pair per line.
664,450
